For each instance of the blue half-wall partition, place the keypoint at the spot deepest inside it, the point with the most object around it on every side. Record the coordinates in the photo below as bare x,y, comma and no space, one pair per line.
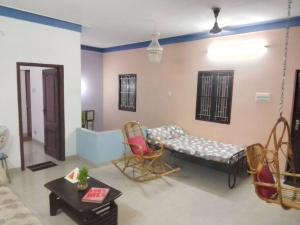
99,147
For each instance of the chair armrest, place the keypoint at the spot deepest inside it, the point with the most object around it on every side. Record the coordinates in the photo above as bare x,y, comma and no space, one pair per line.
262,184
161,146
297,175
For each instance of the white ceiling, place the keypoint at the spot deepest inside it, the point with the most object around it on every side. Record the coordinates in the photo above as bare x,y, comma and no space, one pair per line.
109,23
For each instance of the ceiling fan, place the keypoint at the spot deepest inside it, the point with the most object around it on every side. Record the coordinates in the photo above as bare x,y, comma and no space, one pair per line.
216,29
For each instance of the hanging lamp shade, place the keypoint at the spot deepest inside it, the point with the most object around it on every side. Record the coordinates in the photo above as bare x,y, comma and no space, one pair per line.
154,49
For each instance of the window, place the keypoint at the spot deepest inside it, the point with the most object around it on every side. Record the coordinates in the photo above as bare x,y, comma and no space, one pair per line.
214,96
127,92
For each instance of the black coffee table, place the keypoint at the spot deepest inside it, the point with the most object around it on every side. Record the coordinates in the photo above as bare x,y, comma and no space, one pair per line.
65,196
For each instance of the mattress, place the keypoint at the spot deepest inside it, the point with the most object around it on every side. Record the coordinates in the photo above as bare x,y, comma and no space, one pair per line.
194,146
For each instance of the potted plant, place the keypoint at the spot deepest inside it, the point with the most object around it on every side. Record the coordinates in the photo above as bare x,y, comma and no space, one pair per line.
82,179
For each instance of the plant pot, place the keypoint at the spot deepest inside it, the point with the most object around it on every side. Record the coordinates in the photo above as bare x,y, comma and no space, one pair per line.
82,187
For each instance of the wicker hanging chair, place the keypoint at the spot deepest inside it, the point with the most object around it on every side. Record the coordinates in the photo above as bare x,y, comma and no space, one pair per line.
276,157
272,166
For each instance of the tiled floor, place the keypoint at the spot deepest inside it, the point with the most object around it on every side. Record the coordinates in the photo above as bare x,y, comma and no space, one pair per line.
195,196
34,153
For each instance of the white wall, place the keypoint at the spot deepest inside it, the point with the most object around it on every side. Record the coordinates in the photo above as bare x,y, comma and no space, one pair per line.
92,96
31,42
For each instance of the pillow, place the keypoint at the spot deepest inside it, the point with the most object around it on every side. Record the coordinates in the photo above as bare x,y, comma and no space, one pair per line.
264,175
138,140
176,131
159,134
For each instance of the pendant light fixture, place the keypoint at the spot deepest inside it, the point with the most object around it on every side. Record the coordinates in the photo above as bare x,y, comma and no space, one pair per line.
154,50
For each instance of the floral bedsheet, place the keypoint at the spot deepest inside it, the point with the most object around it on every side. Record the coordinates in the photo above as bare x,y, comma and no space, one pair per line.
173,137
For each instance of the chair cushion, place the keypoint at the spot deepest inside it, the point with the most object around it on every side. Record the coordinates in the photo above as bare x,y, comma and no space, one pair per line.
138,140
265,175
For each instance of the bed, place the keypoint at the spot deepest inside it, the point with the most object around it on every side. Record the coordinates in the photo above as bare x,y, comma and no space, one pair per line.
228,157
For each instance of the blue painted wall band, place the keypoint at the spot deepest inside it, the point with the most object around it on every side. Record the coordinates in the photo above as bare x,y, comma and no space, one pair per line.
271,25
31,17
92,49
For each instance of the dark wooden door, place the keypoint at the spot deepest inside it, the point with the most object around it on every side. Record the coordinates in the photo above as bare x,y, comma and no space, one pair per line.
51,113
296,124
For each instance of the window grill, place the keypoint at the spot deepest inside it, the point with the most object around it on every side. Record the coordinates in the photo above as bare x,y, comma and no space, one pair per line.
214,96
127,92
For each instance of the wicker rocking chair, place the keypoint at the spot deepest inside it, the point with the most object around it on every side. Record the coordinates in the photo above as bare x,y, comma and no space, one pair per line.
275,159
140,162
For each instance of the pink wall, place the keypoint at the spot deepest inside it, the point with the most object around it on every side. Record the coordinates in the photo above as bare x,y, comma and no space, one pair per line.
250,121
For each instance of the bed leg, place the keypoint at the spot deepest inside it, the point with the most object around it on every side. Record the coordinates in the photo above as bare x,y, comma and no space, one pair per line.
232,176
172,159
235,164
246,167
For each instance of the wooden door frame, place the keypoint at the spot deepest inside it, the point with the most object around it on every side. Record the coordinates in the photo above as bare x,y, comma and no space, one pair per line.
294,100
28,103
289,180
60,71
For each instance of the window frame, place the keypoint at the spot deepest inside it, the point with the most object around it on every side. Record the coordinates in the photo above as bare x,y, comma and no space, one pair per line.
214,73
126,108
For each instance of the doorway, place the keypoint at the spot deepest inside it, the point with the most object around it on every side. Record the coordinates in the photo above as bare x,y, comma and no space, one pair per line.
295,126
44,119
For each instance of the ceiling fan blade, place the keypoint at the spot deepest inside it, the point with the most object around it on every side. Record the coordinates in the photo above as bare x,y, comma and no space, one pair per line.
228,30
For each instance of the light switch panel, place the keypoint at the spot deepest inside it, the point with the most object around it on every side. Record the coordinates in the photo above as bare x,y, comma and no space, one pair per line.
263,97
